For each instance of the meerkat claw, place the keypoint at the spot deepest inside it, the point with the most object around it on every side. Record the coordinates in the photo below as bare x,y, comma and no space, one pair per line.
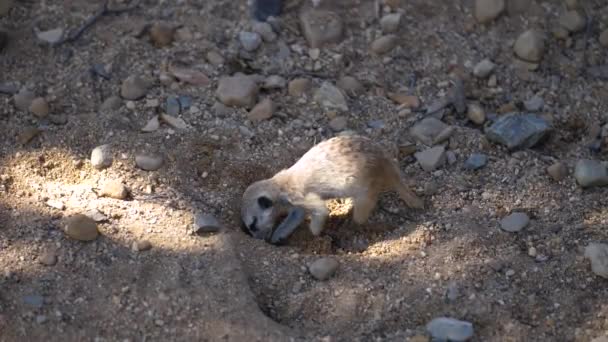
288,226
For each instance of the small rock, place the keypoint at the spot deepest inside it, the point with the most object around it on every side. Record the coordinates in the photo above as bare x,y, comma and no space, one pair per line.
96,215
297,87
427,130
321,28
450,329
264,9
330,97
190,76
338,123
350,85
476,161
384,44
206,223
557,171
262,111
48,257
215,58
488,10
484,68
265,30
518,131
274,82
133,88
55,204
476,113
530,46
39,107
152,125
23,99
110,104
597,253
101,157
174,122
172,106
571,4
35,301
140,246
390,22
573,21
80,227
323,268
432,158
514,222
534,104
603,39
51,36
590,173
250,41
376,124
41,319
237,91
407,101
114,189
161,34
58,119
148,162
27,134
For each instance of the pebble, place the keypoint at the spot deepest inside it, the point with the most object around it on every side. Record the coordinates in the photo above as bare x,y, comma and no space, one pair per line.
55,204
330,97
51,36
557,171
161,34
262,111
48,257
177,123
597,253
27,134
172,106
250,41
321,28
206,223
41,319
298,87
148,162
518,131
571,4
514,222
390,22
215,58
101,157
603,39
350,85
133,88
324,268
484,68
81,227
274,82
265,30
190,76
114,189
96,215
573,21
431,158
110,104
237,91
58,119
152,125
476,161
39,107
35,301
427,130
476,113
338,123
384,44
263,9
534,104
407,101
23,99
488,10
140,246
450,329
590,173
530,46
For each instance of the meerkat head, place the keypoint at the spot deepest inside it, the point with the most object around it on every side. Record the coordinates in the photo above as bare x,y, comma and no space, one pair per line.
260,209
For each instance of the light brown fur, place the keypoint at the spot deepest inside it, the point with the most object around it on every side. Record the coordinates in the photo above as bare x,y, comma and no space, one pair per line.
341,167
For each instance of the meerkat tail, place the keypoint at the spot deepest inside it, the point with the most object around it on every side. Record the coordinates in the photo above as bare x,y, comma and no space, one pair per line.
409,197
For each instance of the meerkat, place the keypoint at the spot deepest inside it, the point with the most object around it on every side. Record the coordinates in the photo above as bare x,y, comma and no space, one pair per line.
349,166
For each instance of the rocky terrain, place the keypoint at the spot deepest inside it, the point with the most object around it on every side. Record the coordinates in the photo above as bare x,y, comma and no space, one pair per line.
128,139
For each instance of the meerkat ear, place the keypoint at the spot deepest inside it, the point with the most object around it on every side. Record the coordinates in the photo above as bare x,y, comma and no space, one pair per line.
264,202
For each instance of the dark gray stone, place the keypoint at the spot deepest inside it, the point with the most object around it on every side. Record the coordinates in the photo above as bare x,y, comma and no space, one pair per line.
518,131
476,161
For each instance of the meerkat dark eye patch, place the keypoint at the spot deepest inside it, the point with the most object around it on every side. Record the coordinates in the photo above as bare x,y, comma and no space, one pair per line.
264,202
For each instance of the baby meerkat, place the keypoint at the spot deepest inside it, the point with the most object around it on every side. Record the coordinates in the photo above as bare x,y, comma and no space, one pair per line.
341,167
